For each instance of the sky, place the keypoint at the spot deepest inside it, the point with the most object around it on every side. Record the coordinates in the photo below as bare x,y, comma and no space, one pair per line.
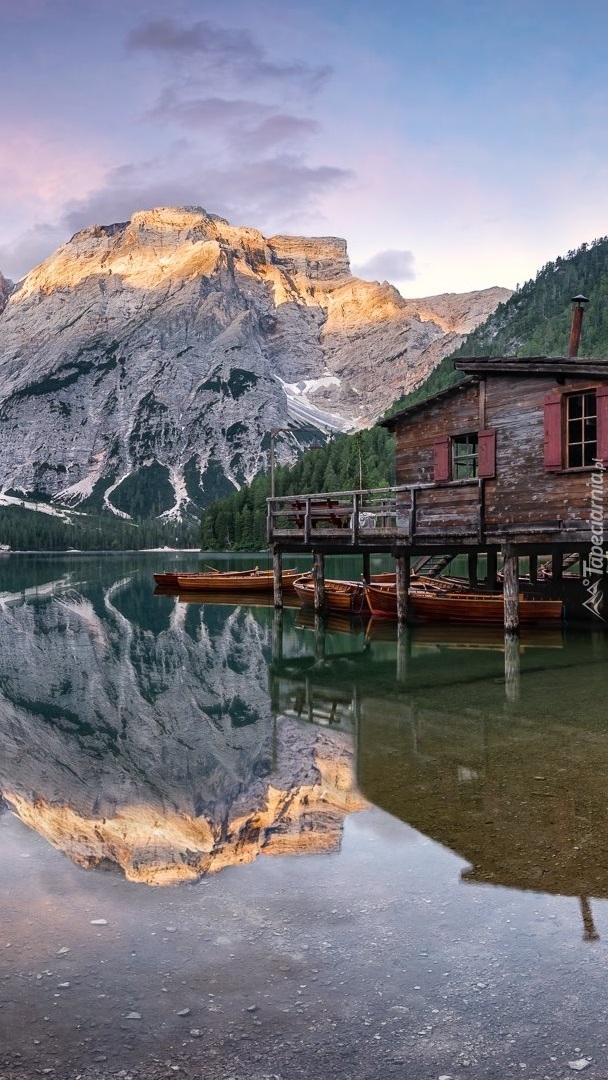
454,144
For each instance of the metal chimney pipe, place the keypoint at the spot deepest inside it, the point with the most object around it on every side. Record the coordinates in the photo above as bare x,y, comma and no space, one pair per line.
578,311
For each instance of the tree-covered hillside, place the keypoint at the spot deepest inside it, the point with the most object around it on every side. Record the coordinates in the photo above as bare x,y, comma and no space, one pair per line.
366,459
536,319
29,530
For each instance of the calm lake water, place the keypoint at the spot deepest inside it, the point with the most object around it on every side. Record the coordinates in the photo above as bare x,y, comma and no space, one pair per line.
237,844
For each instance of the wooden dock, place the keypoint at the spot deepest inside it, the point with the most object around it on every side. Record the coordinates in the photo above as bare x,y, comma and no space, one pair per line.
418,522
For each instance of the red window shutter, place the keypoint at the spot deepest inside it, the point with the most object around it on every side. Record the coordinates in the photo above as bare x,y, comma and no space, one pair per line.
441,459
602,424
486,453
553,432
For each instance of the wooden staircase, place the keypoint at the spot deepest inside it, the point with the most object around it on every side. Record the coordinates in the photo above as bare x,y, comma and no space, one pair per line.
545,569
432,565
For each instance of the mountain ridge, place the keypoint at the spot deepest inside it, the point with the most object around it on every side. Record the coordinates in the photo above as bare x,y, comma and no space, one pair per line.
143,364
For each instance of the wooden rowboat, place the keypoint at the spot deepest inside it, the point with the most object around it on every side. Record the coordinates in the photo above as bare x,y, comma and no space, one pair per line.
166,581
242,581
346,596
459,607
349,596
171,580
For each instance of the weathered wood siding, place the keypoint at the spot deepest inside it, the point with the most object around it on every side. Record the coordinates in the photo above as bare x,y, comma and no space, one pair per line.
523,491
452,510
456,414
523,498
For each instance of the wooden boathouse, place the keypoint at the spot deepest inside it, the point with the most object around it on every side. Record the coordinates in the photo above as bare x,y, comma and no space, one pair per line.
509,462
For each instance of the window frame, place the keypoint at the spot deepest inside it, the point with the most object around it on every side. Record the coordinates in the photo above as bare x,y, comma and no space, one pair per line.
443,462
464,459
571,444
556,435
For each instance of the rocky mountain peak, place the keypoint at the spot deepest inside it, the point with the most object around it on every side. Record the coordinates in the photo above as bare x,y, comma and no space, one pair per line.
319,258
143,363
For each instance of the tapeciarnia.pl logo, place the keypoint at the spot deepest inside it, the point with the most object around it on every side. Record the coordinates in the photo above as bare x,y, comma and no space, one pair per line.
594,568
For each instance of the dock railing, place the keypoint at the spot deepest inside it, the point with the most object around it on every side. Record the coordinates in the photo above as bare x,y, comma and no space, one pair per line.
402,513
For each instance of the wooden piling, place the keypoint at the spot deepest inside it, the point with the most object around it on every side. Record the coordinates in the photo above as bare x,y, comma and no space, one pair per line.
277,570
319,637
277,636
472,565
511,590
512,666
404,652
402,568
318,577
533,569
366,567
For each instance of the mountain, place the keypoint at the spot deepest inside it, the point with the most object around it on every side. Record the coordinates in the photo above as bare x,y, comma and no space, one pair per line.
143,365
535,320
6,287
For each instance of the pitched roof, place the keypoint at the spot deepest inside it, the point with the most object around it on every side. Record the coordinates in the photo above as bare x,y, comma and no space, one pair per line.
476,366
534,365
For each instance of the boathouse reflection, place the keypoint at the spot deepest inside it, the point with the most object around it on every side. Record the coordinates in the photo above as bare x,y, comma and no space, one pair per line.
509,773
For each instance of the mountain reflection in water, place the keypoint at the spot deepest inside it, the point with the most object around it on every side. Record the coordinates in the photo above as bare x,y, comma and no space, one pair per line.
137,734
169,739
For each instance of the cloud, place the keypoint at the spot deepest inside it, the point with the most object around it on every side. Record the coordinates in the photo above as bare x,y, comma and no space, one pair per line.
30,248
239,150
264,194
275,129
250,192
390,265
242,123
222,50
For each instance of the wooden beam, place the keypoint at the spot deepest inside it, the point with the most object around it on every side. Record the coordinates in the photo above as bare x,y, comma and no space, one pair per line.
472,563
511,589
482,403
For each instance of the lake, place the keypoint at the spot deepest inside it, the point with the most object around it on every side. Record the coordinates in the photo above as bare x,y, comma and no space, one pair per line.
236,843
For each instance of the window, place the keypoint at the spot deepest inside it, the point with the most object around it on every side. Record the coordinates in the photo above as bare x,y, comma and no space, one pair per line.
581,429
576,429
464,456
